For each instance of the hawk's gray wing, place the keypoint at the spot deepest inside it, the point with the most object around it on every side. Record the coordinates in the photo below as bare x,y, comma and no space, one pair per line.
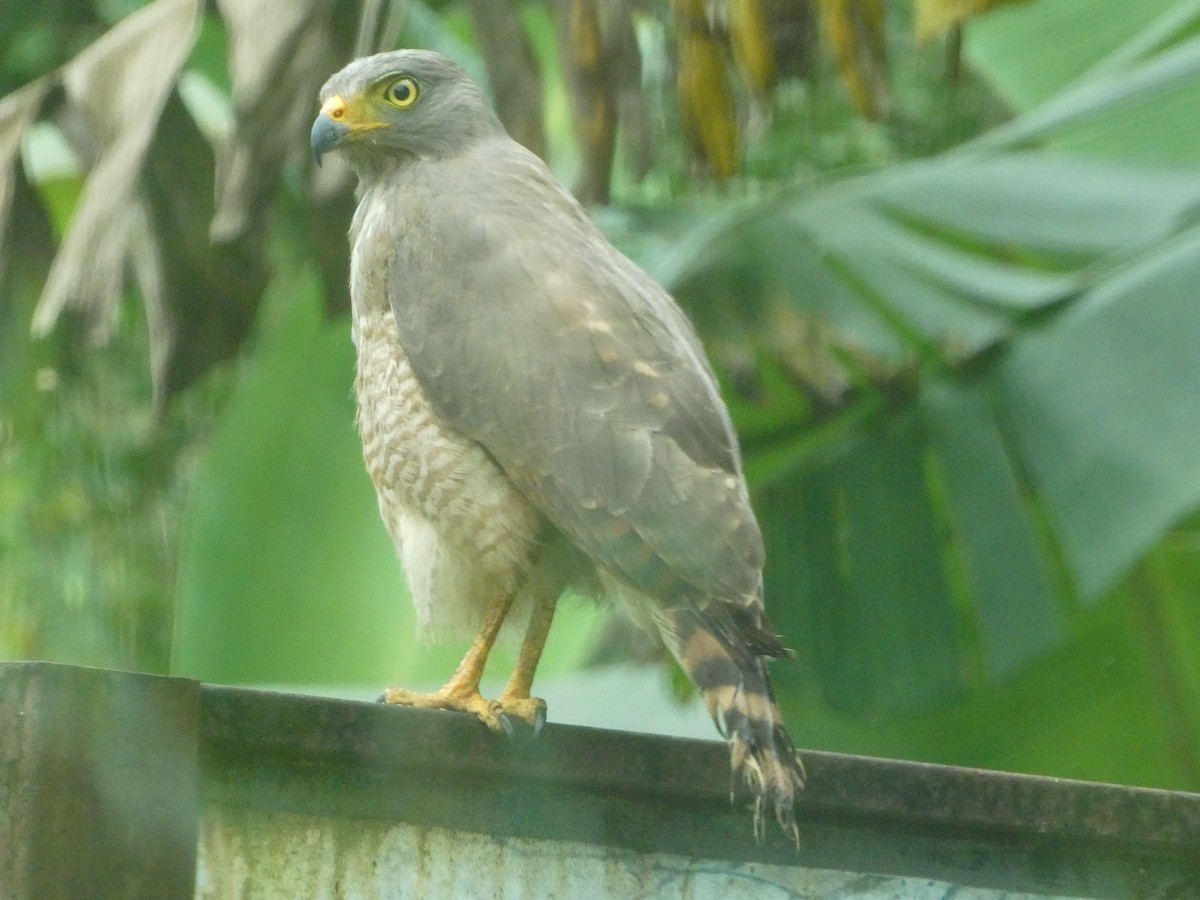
532,335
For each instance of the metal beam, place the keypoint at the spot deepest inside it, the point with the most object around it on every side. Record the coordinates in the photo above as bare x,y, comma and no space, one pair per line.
104,777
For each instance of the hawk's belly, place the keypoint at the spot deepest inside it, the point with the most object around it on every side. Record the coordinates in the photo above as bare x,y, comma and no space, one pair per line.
463,531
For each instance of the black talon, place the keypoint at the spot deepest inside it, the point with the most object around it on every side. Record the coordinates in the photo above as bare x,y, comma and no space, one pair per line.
507,725
539,721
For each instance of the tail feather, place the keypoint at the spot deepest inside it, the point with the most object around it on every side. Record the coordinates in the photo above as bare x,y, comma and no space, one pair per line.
725,650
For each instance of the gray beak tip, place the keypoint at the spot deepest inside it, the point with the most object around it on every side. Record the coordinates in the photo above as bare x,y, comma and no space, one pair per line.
326,135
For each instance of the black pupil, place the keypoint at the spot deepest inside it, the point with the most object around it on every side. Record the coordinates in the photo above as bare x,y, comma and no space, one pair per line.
402,92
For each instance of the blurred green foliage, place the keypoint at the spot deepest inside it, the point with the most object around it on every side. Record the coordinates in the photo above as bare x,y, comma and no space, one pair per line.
89,497
965,385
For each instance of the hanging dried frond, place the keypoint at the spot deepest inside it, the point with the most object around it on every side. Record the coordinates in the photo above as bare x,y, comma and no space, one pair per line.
753,48
147,205
706,100
119,86
857,33
512,70
279,55
602,72
592,95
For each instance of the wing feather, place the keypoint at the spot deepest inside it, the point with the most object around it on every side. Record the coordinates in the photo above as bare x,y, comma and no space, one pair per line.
535,337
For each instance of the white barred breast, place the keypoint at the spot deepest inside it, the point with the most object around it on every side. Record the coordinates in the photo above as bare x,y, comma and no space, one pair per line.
463,532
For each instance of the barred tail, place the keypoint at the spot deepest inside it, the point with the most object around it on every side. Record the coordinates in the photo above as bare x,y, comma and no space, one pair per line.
725,649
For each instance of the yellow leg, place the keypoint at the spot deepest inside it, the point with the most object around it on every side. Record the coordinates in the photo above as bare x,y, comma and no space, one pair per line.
515,699
461,692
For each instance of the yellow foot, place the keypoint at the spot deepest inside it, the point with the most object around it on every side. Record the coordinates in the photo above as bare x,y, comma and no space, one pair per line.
498,715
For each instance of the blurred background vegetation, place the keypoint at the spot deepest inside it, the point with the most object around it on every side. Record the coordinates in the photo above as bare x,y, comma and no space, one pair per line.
945,256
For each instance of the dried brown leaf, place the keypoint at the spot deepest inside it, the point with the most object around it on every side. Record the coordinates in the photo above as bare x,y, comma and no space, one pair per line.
512,70
209,292
753,49
856,32
592,95
119,84
280,52
706,99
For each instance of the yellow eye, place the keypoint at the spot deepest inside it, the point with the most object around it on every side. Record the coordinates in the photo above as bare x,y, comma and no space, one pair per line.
402,93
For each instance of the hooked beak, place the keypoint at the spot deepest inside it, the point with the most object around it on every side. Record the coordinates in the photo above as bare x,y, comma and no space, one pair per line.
327,135
338,122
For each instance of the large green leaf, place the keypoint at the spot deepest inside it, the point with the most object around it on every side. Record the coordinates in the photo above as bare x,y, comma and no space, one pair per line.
1123,86
1098,707
1016,612
1023,51
944,255
282,492
863,570
1028,303
1105,409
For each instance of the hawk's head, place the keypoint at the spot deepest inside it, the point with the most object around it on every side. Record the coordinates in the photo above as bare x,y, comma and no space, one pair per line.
400,104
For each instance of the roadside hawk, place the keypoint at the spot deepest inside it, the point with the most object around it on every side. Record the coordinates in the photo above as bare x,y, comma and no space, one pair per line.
537,414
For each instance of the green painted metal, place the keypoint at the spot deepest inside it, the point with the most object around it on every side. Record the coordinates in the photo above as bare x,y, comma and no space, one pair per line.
130,786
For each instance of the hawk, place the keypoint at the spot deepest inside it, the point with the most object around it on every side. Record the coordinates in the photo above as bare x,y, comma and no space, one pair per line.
537,414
